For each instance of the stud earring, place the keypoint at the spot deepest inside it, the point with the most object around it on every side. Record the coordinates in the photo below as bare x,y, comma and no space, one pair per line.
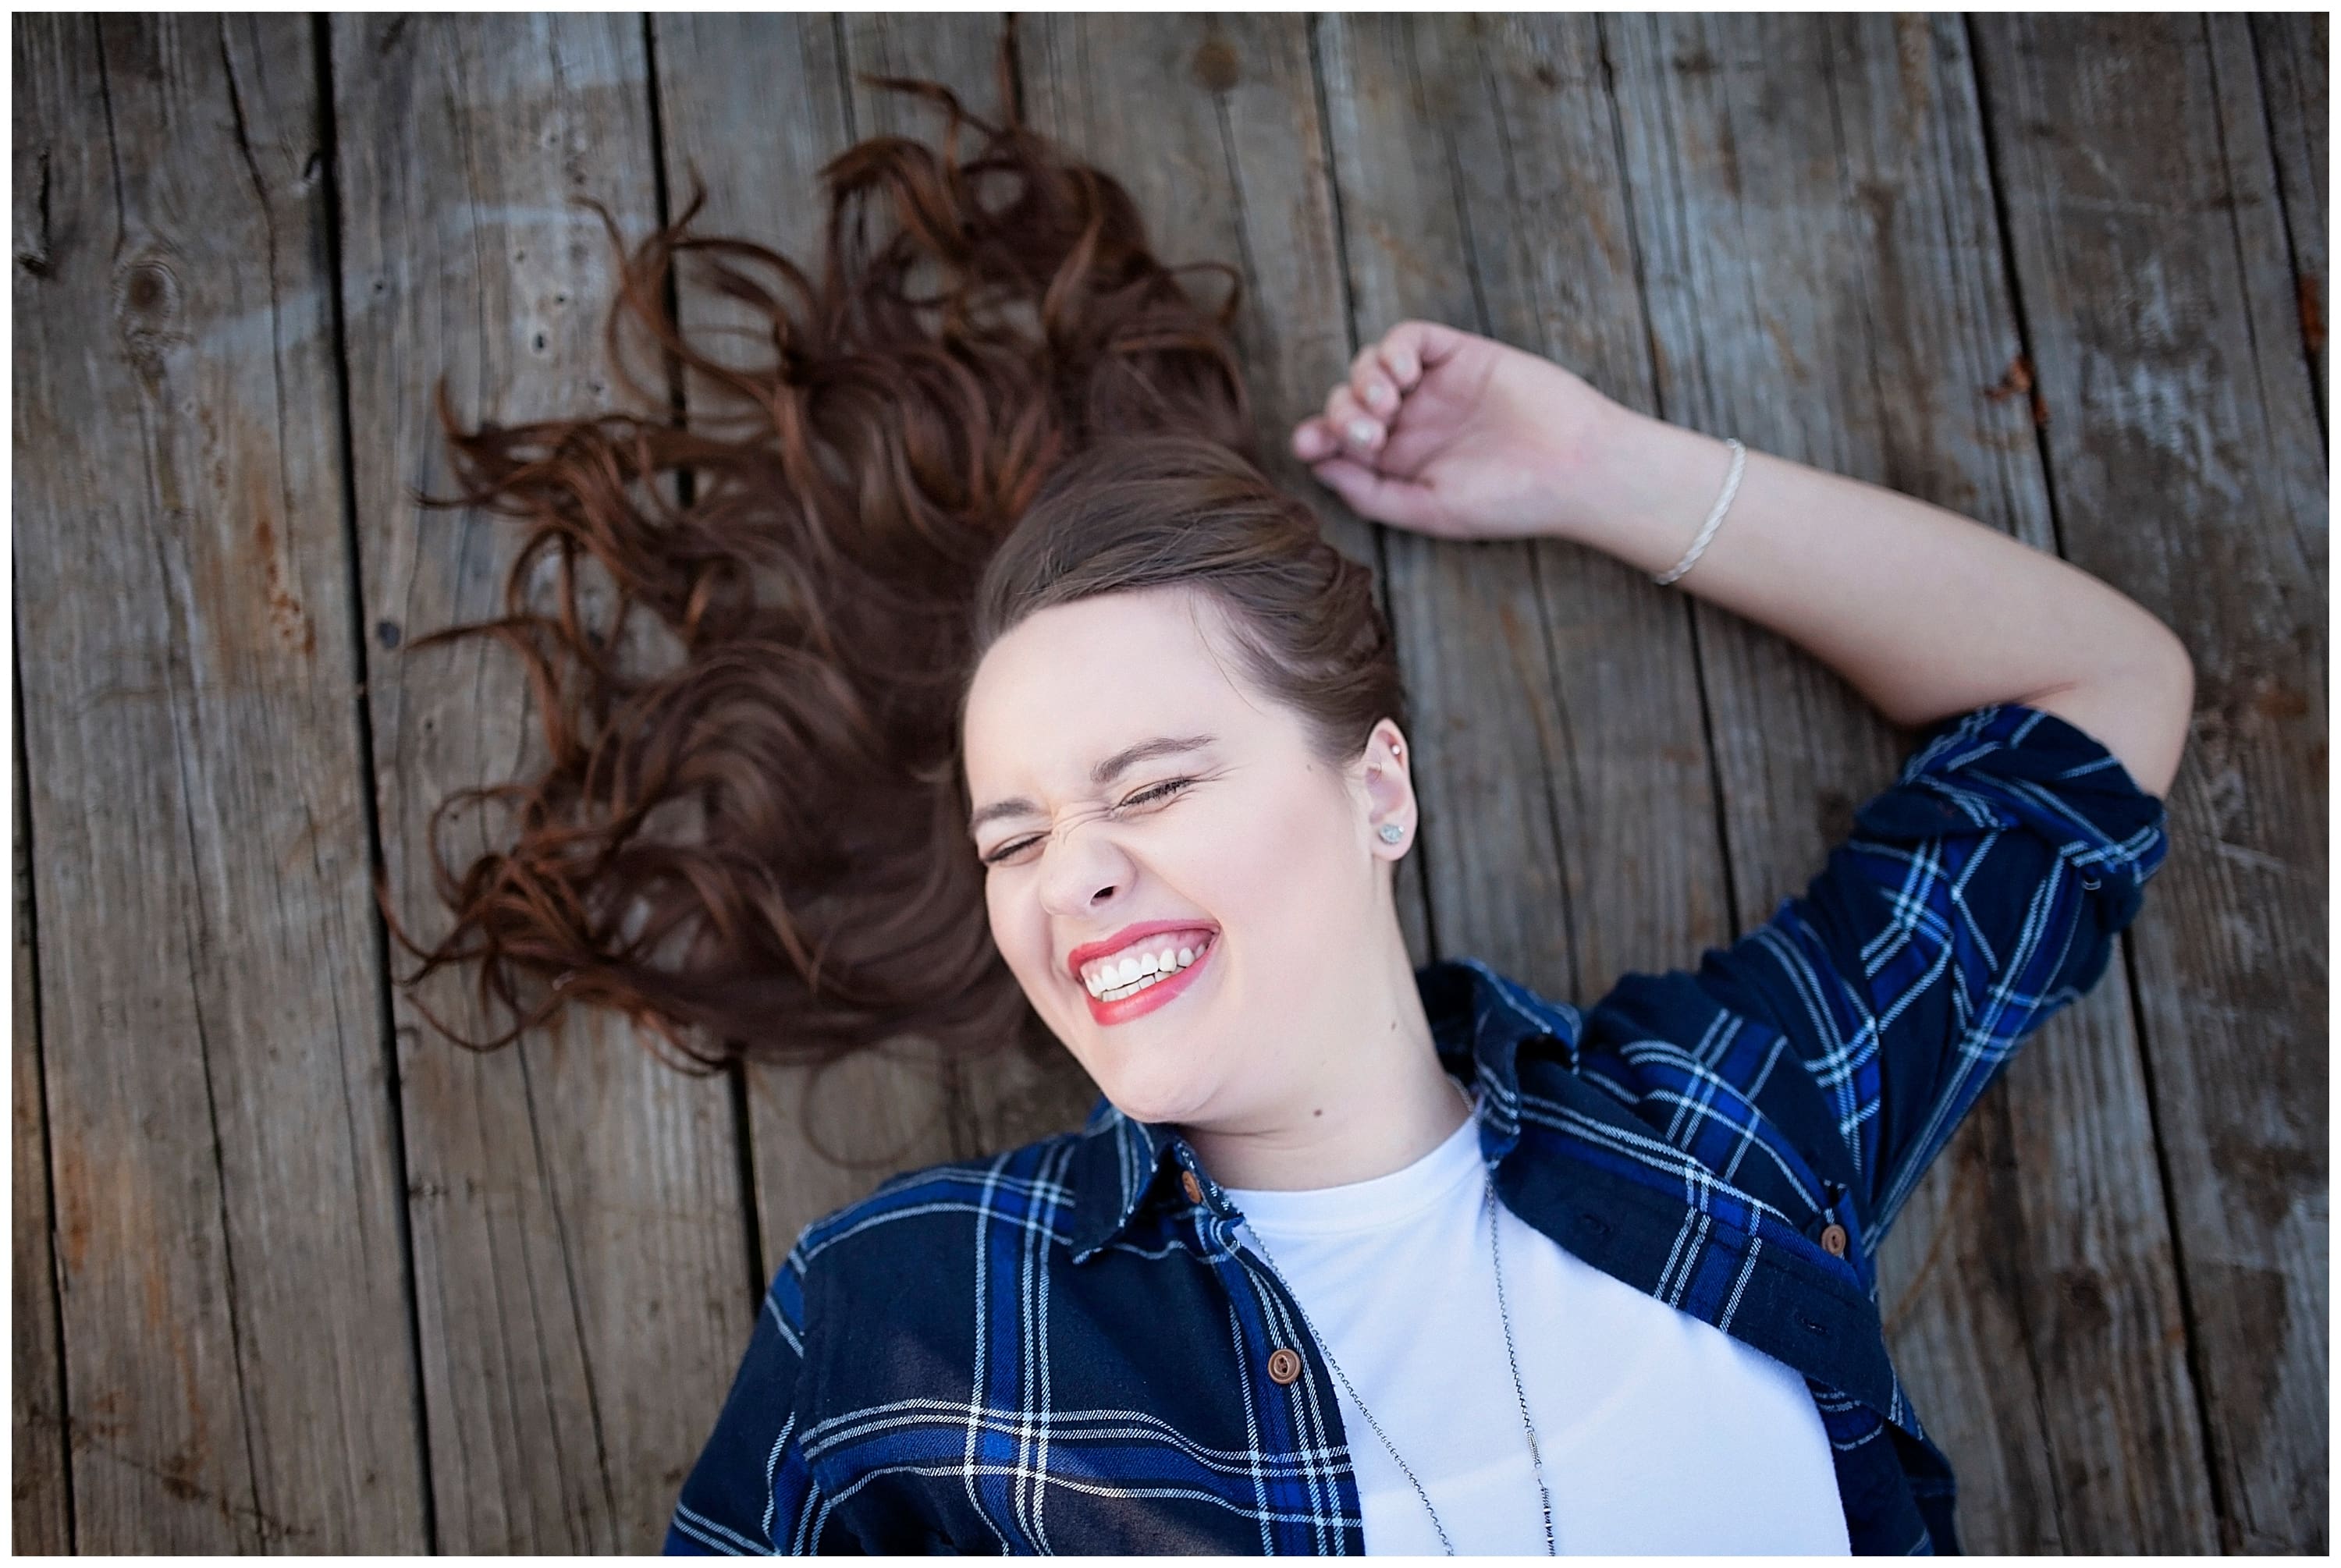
1392,832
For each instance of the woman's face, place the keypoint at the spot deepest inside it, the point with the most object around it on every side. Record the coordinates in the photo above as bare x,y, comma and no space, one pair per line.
1178,881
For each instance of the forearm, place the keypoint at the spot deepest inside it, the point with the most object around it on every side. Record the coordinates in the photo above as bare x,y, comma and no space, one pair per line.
1923,611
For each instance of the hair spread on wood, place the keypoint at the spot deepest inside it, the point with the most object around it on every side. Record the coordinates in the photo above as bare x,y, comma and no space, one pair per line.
758,848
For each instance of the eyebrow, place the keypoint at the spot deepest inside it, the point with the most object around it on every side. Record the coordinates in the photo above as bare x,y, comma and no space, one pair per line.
1105,772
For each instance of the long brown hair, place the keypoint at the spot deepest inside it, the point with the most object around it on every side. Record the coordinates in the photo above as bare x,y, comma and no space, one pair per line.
759,851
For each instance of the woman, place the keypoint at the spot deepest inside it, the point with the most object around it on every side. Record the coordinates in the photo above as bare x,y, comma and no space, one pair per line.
1347,1256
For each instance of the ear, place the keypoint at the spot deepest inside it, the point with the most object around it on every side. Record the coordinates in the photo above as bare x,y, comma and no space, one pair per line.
1389,791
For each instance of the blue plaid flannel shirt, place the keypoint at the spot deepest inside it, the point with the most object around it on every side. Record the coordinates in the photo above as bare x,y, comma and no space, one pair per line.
1055,1349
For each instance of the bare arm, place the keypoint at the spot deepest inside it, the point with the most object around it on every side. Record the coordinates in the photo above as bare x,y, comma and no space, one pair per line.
1924,612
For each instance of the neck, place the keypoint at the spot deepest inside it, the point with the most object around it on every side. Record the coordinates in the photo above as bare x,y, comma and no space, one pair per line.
1371,1097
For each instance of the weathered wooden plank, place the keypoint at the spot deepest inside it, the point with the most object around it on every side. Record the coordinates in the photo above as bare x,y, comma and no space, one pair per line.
1228,163
1824,281
40,1484
233,1290
2183,446
1019,1093
2295,58
756,104
576,1207
1570,825
1015,1096
1954,1308
2281,320
961,50
751,106
2059,1177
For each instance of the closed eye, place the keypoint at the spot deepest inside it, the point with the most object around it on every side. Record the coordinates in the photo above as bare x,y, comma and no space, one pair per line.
1154,792
1153,795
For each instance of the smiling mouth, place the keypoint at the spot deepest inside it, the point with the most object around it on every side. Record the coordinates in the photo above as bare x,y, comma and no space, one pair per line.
1113,981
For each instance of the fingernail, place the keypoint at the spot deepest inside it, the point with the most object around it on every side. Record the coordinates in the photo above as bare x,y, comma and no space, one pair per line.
1361,431
1405,369
1379,395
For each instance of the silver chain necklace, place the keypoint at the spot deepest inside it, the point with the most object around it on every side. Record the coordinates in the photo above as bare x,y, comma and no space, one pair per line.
1494,1230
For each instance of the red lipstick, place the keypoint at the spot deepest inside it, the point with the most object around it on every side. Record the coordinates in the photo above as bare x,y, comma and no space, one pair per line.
1153,995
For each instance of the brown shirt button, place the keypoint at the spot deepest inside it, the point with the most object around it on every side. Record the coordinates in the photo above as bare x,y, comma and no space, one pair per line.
1833,1240
1194,1188
1283,1365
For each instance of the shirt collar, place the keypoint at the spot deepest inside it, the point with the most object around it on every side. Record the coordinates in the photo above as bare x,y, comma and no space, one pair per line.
1479,1022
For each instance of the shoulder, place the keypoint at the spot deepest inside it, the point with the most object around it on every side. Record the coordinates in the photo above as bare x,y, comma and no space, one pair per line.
1656,1081
929,1221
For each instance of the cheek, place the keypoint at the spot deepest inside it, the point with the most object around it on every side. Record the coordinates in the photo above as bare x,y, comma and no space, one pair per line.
1278,861
1016,929
1001,911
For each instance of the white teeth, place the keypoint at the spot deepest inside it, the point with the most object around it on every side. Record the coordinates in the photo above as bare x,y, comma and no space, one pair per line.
1113,979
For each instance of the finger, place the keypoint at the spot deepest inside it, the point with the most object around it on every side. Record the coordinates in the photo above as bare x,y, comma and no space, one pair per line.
1412,347
1371,382
1371,495
1360,433
1314,439
1405,371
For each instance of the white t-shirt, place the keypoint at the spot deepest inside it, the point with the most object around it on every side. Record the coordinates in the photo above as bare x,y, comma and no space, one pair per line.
1659,1432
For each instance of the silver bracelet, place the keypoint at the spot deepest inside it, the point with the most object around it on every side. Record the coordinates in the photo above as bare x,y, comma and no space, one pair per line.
1715,518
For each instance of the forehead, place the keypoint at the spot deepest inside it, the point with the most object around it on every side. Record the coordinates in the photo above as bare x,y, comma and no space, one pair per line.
1075,682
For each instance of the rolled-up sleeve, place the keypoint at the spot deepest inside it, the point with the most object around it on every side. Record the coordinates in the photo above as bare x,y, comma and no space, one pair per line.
1977,895
750,1492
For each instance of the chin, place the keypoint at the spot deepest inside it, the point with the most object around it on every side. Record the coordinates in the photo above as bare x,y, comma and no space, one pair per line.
1158,1067
1160,1083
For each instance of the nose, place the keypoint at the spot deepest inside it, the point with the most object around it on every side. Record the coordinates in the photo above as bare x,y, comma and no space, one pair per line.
1085,871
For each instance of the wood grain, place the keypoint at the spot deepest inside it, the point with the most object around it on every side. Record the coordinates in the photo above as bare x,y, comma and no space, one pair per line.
1848,240
2294,52
1570,830
576,1206
750,108
1229,163
1023,1090
40,1485
756,105
961,50
1824,277
232,1291
2184,447
1227,166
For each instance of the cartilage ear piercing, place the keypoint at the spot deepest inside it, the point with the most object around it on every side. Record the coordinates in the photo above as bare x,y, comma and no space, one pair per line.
1392,832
